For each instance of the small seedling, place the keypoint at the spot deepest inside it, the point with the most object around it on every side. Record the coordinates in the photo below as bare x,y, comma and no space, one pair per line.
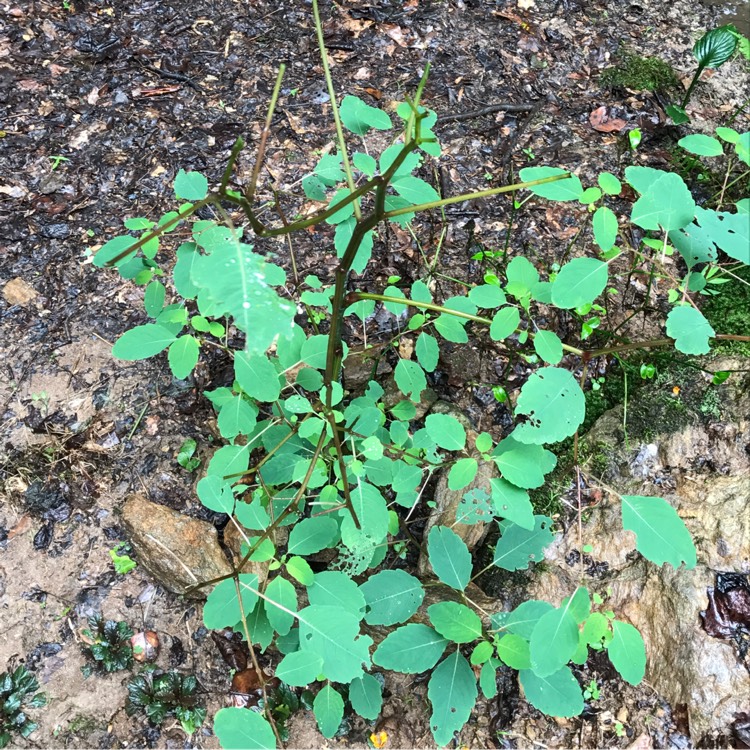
17,693
57,160
185,456
108,642
164,694
648,371
123,563
591,692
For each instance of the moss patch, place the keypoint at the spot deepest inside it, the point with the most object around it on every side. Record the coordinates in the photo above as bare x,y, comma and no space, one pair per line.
729,312
640,74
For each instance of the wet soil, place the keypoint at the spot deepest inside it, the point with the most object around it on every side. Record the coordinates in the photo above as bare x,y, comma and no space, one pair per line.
101,104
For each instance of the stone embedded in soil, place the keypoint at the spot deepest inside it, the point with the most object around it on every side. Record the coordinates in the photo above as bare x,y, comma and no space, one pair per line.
176,550
19,292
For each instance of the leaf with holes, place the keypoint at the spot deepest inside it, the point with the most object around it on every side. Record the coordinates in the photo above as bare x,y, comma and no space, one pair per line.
512,503
554,404
452,692
661,535
392,596
517,547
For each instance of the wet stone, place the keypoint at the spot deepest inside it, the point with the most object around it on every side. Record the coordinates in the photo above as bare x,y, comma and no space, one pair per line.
177,551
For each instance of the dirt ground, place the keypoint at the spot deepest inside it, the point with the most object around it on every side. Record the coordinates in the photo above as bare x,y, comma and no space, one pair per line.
101,103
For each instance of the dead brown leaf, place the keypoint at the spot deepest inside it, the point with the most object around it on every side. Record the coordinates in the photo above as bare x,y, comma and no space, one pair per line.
601,120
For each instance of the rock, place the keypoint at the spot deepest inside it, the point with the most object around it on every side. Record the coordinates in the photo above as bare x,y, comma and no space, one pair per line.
360,364
703,471
176,550
19,292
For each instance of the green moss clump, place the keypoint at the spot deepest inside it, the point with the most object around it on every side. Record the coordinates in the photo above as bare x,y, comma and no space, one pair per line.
640,74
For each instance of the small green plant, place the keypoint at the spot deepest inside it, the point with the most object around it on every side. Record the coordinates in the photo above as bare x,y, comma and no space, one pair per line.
18,695
108,643
591,691
57,160
123,562
164,694
186,454
712,50
344,470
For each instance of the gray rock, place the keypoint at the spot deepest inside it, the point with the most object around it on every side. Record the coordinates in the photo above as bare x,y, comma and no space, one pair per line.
176,550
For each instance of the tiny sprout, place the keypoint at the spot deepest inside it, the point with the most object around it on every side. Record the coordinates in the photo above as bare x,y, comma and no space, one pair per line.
634,138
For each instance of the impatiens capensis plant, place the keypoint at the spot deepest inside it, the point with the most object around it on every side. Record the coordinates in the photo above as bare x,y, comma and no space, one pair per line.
342,472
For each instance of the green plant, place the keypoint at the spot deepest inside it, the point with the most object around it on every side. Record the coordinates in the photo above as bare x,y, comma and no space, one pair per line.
17,695
165,694
186,454
108,643
344,471
712,50
57,160
123,563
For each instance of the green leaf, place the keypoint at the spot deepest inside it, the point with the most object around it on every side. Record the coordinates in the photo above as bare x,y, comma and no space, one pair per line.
488,680
609,184
481,653
410,379
487,296
455,621
427,351
522,277
731,232
328,708
238,282
690,330
715,47
579,282
328,169
365,163
661,535
345,211
415,190
360,117
513,503
366,696
280,592
666,205
694,244
514,651
257,376
554,404
452,692
240,729
142,342
558,694
504,323
553,642
563,190
372,512
462,473
523,465
392,596
523,619
701,145
596,631
678,115
518,546
579,604
183,356
449,556
153,298
222,608
336,589
411,649
548,346
605,227
451,328
446,431
627,652
187,254
310,535
333,634
299,668
231,459
216,494
300,570
314,188
190,186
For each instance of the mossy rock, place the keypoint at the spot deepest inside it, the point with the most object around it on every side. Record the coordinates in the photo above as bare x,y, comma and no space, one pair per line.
640,74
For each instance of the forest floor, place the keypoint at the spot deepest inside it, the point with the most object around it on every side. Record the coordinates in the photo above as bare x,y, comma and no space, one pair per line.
101,104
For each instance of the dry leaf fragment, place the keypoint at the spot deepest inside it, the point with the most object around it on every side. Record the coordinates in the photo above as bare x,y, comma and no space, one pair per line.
19,292
601,120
